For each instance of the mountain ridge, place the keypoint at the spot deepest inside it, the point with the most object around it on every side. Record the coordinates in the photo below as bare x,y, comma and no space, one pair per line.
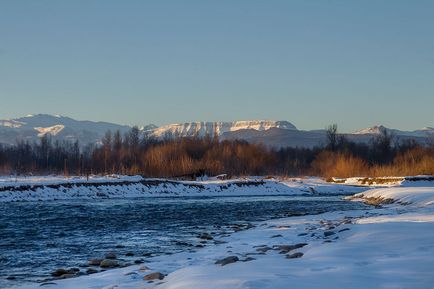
268,132
201,129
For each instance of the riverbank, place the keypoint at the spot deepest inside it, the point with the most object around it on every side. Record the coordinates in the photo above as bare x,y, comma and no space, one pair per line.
388,247
112,187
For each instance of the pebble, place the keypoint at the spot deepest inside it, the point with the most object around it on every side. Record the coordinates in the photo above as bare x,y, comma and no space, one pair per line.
263,249
286,248
47,283
153,276
294,256
227,260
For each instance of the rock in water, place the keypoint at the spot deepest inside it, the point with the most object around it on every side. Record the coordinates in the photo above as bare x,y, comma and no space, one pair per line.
205,236
59,272
153,276
227,260
109,263
91,271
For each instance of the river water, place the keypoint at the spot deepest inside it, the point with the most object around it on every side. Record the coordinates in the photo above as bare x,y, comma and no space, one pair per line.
38,237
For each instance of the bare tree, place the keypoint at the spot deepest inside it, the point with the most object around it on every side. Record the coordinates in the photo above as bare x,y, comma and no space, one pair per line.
332,136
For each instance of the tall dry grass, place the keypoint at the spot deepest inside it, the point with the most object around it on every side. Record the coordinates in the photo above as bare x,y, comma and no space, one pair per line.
337,164
417,161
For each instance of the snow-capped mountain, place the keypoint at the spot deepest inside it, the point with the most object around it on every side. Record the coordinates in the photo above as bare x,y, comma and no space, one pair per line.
202,129
32,127
378,129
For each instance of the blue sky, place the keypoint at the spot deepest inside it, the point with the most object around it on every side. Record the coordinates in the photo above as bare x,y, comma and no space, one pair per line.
355,63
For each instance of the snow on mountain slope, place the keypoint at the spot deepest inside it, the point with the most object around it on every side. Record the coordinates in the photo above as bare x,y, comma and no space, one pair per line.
11,123
52,130
202,129
378,129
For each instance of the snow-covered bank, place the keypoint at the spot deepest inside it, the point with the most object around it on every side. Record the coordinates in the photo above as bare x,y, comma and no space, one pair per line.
57,188
380,254
17,181
422,180
415,196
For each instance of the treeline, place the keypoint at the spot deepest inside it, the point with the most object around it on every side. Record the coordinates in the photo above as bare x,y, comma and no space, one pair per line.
383,156
132,153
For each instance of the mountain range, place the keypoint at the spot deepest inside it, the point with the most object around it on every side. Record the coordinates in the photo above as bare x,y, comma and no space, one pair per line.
32,127
271,133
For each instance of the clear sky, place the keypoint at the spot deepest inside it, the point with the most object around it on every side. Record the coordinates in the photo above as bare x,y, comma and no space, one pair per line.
355,63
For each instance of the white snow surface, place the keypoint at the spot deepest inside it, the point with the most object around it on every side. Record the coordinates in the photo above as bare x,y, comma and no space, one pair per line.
390,247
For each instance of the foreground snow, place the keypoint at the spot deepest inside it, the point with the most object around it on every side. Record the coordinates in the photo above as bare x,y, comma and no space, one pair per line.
377,248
